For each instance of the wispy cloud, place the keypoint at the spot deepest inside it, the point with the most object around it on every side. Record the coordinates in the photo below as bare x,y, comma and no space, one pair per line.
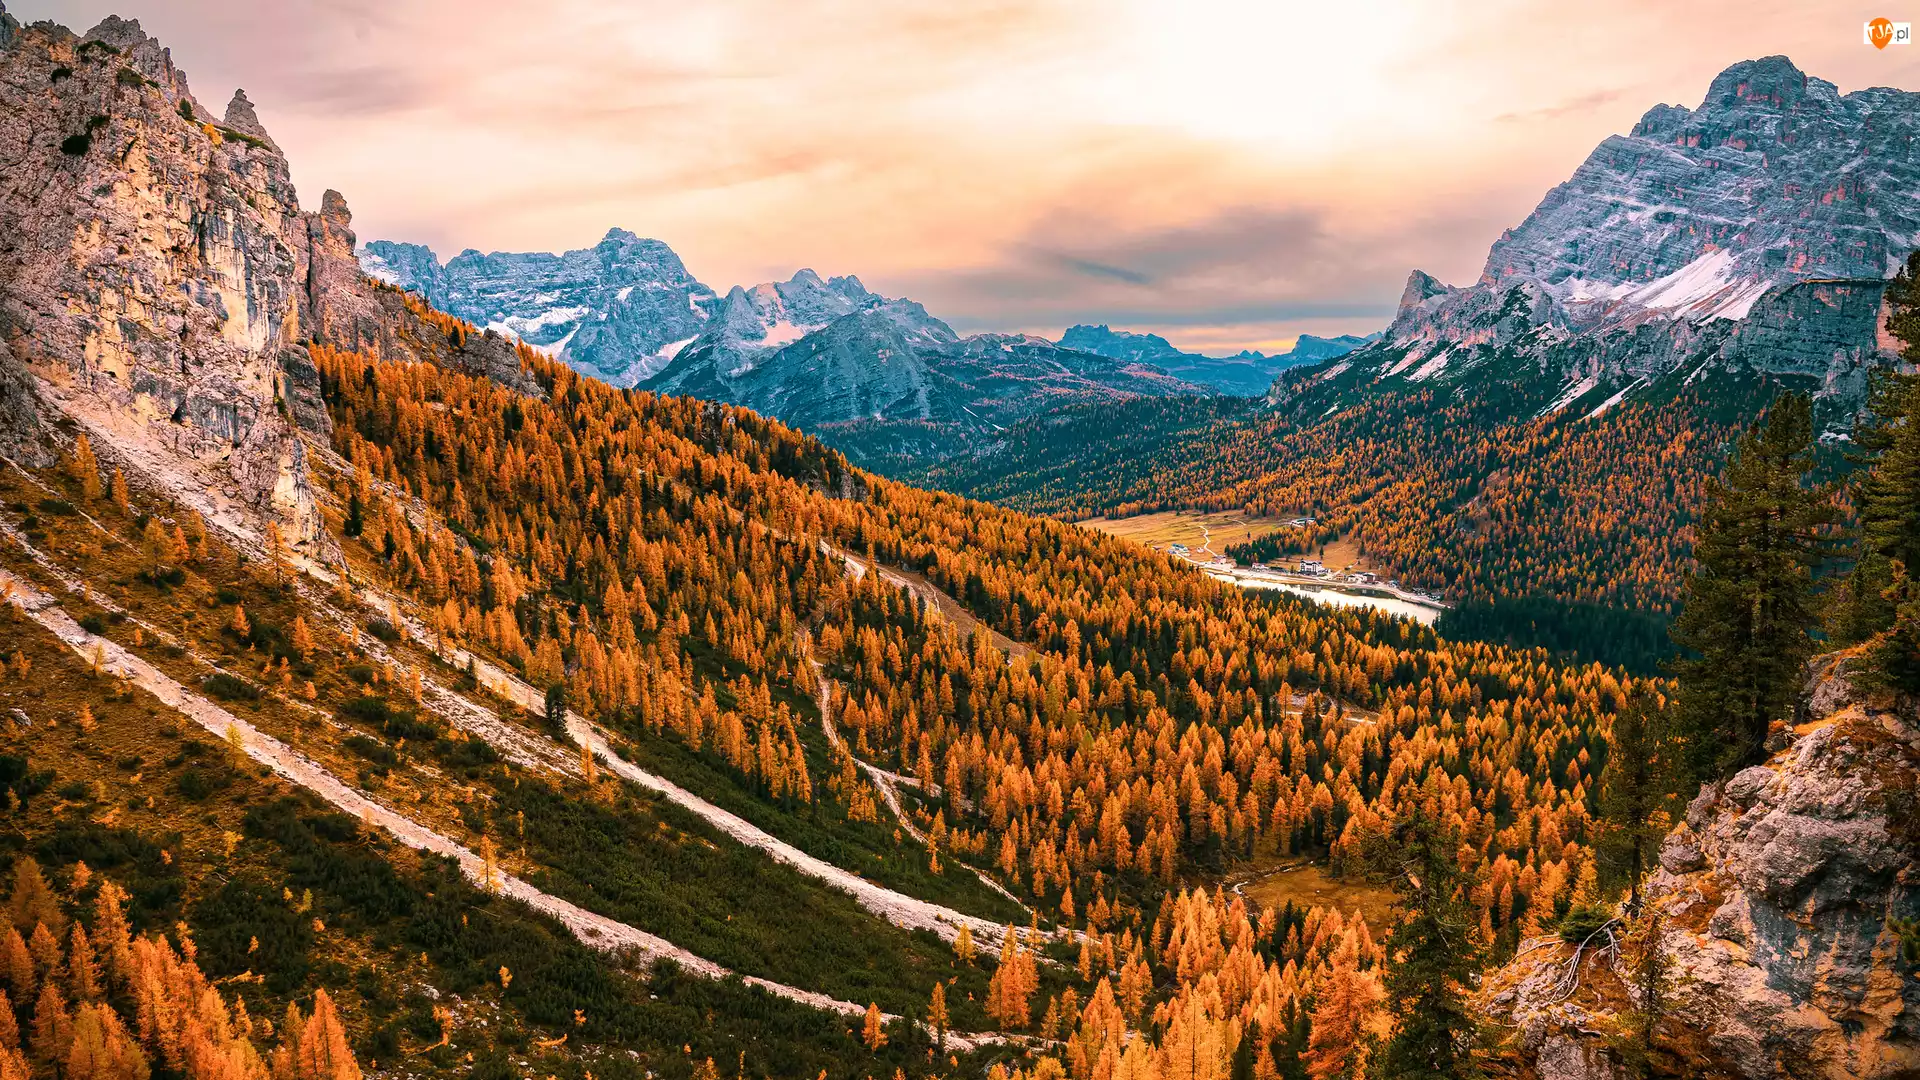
1230,170
1585,103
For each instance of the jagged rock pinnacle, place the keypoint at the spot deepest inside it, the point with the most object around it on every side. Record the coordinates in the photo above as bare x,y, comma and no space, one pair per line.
1420,287
242,118
333,207
118,32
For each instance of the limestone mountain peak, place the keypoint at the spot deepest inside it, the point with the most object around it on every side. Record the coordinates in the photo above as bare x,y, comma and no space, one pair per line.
1753,232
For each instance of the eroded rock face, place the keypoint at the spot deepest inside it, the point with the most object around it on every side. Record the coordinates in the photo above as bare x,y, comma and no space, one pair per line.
159,283
22,435
1777,889
149,263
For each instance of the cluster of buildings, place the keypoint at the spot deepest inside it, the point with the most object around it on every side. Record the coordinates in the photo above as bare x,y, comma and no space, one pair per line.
1307,568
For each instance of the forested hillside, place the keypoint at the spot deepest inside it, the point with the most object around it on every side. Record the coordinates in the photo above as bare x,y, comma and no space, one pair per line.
380,697
670,569
1447,492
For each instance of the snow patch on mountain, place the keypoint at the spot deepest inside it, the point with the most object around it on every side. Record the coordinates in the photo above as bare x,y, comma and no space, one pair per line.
1571,394
378,269
523,327
558,349
1432,367
1618,396
1754,232
1413,357
783,332
1709,287
615,305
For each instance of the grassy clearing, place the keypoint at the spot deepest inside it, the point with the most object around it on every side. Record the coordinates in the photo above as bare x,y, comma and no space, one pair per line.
1189,527
1308,885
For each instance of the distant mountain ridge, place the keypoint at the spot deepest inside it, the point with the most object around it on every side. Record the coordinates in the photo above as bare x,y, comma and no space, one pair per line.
894,387
1549,429
610,309
1246,373
881,378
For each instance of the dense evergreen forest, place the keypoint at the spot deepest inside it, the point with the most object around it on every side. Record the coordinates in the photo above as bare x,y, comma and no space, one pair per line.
1446,492
1574,633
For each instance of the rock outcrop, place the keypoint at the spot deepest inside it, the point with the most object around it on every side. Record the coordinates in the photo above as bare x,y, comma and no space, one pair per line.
159,283
148,264
23,437
1777,890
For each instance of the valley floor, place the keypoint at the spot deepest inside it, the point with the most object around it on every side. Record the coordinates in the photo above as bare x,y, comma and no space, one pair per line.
1204,532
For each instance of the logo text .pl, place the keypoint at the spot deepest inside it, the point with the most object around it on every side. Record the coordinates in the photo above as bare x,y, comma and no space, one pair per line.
1881,33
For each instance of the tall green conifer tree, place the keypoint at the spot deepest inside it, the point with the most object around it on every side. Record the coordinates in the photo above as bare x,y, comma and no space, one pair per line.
1880,601
1435,950
1636,789
1749,607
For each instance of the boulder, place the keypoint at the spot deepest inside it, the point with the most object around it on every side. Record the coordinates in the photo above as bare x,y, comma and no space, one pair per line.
1776,893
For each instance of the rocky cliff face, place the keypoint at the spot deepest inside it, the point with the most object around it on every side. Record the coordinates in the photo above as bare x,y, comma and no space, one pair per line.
159,281
1753,232
1777,889
348,310
151,261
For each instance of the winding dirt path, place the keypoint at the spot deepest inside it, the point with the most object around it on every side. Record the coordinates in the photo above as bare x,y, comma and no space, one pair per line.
907,912
887,783
592,929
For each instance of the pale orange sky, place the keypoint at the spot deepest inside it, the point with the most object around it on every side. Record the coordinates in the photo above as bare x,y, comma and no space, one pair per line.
1228,174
